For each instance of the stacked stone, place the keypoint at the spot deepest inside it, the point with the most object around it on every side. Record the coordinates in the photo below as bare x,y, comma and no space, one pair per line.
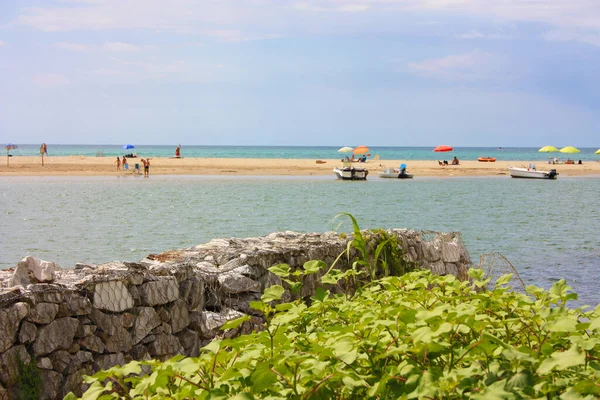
75,322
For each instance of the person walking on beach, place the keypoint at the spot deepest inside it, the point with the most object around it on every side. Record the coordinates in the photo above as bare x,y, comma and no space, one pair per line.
125,164
118,162
45,149
178,151
146,163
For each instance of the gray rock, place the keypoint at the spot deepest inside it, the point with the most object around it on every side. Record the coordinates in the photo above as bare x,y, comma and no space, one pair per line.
212,322
232,283
44,363
190,342
179,316
42,313
112,296
77,360
60,360
162,291
33,270
52,382
85,330
93,343
45,293
107,361
192,291
450,252
27,333
119,341
74,304
74,383
165,345
10,318
9,364
108,323
146,320
57,335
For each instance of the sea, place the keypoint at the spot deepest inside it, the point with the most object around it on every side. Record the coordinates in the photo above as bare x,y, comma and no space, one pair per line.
547,230
303,152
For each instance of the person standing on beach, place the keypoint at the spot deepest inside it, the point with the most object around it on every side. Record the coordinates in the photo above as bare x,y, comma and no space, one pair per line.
178,151
146,163
118,162
42,153
45,149
125,164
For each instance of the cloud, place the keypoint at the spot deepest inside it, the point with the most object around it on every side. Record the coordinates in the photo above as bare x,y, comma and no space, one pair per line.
71,46
468,67
121,47
50,80
591,38
474,34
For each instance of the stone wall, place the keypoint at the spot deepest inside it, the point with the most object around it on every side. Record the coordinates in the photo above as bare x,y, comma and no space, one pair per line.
74,322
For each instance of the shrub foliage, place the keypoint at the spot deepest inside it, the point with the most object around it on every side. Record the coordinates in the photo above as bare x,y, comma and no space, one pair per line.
417,336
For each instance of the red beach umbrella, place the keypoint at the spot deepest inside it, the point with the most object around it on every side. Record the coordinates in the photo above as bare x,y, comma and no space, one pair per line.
361,150
442,149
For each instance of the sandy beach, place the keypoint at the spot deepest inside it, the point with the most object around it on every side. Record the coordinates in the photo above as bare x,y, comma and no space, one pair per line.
99,166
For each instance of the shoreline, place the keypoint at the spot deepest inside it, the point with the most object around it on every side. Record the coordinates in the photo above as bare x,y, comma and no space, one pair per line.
105,166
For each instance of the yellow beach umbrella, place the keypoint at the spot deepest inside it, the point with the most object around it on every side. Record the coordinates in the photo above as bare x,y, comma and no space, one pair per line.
548,149
597,151
569,149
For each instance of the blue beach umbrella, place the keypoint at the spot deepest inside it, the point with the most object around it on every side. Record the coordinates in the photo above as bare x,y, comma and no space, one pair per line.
128,146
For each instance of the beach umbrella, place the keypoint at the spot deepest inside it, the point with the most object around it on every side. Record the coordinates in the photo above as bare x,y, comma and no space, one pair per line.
597,151
360,150
128,146
569,150
443,149
548,149
345,149
9,147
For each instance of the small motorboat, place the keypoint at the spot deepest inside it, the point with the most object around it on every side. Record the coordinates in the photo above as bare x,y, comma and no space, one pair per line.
532,173
394,173
351,173
486,159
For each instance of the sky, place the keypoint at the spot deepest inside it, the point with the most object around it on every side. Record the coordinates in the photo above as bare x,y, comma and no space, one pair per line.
306,73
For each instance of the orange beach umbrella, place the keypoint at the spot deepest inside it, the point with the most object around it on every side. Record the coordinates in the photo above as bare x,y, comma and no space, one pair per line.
443,148
361,150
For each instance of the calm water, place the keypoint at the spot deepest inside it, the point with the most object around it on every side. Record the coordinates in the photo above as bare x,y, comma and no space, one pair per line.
548,230
327,152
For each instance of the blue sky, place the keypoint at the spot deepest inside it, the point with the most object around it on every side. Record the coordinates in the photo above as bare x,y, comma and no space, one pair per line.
320,72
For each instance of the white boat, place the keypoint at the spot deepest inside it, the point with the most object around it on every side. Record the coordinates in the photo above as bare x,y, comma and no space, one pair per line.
532,173
394,173
351,173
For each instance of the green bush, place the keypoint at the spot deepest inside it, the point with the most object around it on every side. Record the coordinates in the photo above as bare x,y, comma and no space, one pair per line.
416,336
29,381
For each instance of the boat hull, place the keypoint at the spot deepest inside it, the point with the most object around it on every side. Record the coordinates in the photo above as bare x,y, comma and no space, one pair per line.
528,173
351,173
393,174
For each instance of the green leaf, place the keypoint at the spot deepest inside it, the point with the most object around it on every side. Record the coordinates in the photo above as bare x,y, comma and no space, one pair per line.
281,270
563,324
96,390
503,280
562,360
234,323
213,347
312,266
320,294
272,293
70,396
262,377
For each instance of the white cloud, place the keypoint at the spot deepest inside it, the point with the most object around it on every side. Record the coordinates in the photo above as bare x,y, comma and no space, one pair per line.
468,67
71,46
592,38
120,47
474,34
50,80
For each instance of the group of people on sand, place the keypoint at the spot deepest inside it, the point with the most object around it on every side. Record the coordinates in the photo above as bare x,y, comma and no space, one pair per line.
145,162
453,162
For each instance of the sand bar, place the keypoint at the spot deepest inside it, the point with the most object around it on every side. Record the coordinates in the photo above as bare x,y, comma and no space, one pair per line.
105,166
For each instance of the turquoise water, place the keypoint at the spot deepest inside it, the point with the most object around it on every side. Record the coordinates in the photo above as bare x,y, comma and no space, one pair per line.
327,152
547,229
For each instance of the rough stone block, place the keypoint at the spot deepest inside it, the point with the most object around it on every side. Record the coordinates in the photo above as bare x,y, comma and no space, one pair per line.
179,316
190,342
43,313
93,343
232,283
57,335
10,318
146,320
44,363
108,323
60,360
45,293
107,361
161,291
212,322
450,252
192,291
112,296
9,364
28,332
118,342
33,270
51,384
74,305
165,345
